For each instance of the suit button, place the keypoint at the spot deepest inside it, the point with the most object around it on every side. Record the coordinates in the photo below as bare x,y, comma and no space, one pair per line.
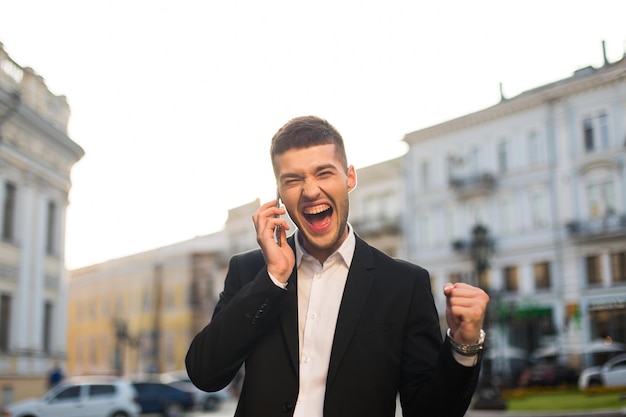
287,407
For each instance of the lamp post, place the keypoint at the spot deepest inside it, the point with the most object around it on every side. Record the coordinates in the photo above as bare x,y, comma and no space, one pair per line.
120,328
480,249
123,339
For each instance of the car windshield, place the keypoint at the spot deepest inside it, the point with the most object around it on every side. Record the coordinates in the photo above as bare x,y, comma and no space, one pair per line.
53,392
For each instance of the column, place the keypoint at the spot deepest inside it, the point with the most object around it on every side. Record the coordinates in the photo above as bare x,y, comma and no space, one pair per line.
38,255
59,321
22,321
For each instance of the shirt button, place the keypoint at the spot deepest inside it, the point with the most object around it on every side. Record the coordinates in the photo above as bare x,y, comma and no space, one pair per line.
313,316
307,359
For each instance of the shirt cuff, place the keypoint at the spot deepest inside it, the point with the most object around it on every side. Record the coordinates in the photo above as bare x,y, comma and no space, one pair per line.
468,361
276,282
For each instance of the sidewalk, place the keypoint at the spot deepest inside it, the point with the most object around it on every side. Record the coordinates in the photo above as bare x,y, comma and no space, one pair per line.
488,413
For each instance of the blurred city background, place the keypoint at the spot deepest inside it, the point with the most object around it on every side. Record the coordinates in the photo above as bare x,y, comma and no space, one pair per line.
525,198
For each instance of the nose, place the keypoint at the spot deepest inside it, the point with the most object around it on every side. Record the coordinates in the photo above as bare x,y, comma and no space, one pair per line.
310,189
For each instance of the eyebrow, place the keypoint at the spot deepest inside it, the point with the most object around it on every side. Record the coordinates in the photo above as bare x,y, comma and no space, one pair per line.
317,170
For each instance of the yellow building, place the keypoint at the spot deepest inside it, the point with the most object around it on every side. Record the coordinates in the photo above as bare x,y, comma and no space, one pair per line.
138,314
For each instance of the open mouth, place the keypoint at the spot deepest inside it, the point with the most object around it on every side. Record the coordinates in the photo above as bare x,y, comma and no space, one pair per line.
318,216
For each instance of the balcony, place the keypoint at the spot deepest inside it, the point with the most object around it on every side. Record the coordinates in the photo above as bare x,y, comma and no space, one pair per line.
378,226
611,226
473,185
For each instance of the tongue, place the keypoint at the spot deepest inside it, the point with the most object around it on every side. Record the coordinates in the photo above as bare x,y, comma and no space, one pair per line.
320,220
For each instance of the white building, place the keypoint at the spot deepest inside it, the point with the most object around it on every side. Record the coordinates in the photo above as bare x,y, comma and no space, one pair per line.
36,157
545,173
377,206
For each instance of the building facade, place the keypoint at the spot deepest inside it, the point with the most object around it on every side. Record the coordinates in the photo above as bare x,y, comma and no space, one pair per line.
544,174
137,314
36,157
377,206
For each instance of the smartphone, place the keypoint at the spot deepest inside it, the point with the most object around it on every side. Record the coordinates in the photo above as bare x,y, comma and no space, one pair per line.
277,230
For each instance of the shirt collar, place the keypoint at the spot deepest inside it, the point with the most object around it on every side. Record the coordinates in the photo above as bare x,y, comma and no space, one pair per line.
345,251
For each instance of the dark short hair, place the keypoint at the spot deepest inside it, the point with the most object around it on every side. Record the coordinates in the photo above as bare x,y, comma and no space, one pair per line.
304,132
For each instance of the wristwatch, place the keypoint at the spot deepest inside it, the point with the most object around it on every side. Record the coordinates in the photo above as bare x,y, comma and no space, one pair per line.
467,350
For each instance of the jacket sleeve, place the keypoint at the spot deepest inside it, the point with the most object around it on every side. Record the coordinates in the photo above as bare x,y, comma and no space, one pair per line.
446,389
249,304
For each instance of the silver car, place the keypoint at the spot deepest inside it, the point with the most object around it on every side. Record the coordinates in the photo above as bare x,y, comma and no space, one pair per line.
611,374
81,397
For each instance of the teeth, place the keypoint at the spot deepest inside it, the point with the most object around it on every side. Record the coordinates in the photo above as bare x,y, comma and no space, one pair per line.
317,209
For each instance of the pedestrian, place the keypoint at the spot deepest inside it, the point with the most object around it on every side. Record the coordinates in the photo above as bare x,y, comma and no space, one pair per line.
55,375
325,324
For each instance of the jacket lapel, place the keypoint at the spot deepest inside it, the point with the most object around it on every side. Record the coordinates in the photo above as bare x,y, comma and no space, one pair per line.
289,316
358,285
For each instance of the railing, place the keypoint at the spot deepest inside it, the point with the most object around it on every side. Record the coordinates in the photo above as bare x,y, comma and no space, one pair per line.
473,184
607,227
377,226
29,89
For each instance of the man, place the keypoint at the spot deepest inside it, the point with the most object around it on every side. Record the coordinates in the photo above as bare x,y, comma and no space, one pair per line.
325,324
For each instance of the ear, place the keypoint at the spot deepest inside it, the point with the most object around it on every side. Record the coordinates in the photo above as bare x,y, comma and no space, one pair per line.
351,178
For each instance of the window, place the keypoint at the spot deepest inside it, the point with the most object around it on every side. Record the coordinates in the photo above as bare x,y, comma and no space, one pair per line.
51,228
147,300
69,394
484,280
503,155
425,175
536,148
588,134
543,280
511,279
453,225
47,326
101,391
426,235
618,267
594,270
601,198
507,215
474,161
9,206
454,277
539,210
5,321
596,132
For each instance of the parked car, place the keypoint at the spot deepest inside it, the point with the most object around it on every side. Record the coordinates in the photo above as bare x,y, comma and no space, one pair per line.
102,396
157,397
551,374
207,401
611,374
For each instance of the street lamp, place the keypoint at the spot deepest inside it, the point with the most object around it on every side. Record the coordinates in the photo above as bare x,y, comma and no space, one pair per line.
123,339
480,249
120,328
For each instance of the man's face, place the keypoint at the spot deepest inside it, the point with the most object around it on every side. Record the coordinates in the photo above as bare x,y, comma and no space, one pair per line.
314,187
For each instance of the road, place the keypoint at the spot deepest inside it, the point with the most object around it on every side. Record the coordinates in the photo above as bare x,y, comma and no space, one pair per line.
228,410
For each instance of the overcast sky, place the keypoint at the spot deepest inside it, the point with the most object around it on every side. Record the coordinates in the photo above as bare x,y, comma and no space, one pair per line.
175,102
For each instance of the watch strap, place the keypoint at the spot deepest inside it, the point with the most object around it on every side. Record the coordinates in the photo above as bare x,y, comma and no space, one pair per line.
467,350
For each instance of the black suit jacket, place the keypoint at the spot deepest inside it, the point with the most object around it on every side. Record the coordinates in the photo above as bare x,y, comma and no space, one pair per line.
387,341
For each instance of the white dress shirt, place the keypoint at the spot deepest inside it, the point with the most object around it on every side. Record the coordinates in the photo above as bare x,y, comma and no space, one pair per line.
320,289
